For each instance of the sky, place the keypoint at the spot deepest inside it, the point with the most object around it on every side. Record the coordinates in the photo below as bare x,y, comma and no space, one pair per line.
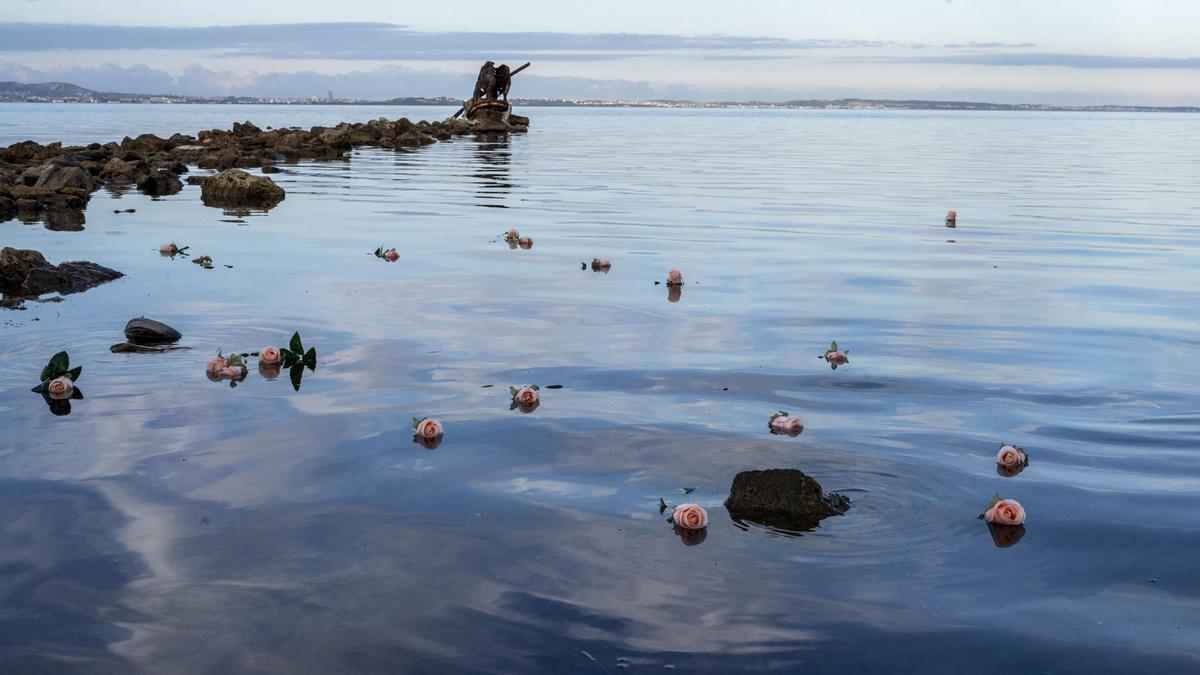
1084,52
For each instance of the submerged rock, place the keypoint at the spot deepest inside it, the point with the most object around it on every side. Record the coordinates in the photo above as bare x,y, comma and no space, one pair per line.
143,331
234,187
786,499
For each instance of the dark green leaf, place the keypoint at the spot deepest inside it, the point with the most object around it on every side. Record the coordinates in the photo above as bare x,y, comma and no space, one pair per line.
74,373
662,506
535,388
512,390
416,422
310,358
42,388
833,346
296,373
58,366
296,345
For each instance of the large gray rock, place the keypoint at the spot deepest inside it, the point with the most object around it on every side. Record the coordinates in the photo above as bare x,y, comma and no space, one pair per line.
143,331
235,188
786,499
57,177
26,273
15,265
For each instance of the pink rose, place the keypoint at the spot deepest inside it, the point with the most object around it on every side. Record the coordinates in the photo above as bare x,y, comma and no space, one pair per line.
512,235
167,248
60,388
429,428
836,357
216,365
233,372
526,242
951,219
526,396
1005,512
391,256
601,263
786,424
690,517
268,356
1010,457
674,277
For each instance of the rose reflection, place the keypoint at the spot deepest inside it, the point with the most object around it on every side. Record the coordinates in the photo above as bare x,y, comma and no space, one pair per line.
60,404
1009,471
788,431
1004,536
525,407
691,537
674,293
269,371
427,443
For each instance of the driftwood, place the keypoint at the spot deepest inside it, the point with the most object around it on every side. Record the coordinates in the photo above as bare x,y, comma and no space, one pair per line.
491,85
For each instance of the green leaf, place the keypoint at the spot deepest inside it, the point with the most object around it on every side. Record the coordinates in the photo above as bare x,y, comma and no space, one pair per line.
310,358
74,373
513,391
995,498
296,374
833,346
416,422
58,366
42,388
662,506
296,345
535,388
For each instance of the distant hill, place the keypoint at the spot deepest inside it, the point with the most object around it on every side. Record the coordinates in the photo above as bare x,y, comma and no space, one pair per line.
20,91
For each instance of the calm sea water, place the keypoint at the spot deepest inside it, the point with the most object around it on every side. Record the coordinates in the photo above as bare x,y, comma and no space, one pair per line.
173,524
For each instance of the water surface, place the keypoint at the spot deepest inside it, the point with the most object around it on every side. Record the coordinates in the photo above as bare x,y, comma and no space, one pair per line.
172,524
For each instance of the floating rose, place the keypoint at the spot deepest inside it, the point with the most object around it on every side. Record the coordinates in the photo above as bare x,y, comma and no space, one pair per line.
1004,512
1012,458
388,254
836,357
269,356
524,394
674,277
784,424
526,242
952,219
58,382
512,236
601,265
217,364
171,249
427,428
689,517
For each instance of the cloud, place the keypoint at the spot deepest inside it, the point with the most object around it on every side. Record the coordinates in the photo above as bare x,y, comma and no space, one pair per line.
1086,61
383,41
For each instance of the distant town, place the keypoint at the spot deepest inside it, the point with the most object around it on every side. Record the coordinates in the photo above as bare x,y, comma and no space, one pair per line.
61,92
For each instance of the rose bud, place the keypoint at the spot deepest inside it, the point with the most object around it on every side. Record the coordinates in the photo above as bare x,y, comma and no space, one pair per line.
429,428
837,357
1010,457
526,395
60,388
216,365
1005,512
268,356
526,242
391,256
786,424
690,517
167,248
512,235
674,277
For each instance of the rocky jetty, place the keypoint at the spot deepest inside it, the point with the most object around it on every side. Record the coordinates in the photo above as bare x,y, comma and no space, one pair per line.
786,499
26,274
54,182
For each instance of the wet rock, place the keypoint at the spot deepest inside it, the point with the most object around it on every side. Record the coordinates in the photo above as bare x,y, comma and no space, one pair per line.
15,265
56,177
234,188
786,499
117,169
8,208
143,331
68,277
159,182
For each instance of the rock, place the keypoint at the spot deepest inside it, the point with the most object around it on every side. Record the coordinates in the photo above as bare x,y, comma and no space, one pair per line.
15,265
117,169
56,177
143,331
234,188
160,182
8,208
68,277
786,499
268,167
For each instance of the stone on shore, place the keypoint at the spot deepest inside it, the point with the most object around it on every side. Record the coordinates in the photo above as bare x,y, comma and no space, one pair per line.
786,499
234,188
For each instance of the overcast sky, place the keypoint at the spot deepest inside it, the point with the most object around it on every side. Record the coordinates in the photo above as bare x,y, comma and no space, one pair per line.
1064,51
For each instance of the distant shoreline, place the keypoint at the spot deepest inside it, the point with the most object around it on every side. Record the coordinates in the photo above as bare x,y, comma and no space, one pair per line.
60,92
